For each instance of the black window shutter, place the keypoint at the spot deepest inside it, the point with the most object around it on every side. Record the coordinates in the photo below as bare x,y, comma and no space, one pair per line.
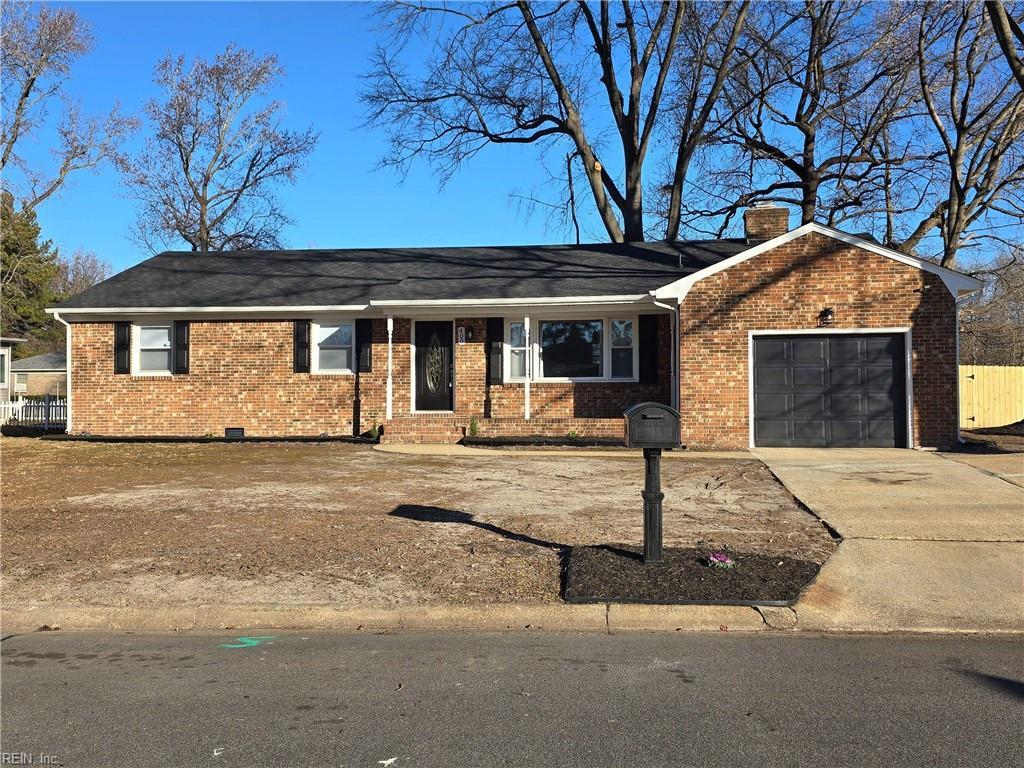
648,349
181,330
364,344
495,338
300,346
122,347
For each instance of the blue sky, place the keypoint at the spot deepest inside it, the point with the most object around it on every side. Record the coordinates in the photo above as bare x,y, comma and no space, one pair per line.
342,199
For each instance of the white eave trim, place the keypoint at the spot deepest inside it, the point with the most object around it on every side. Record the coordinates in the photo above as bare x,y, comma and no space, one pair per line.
635,298
386,307
958,283
287,310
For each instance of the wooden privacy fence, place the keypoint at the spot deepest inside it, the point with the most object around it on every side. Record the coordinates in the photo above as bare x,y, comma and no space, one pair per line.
991,395
48,412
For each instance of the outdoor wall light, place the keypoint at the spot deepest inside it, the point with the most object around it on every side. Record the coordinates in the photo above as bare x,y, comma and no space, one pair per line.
827,316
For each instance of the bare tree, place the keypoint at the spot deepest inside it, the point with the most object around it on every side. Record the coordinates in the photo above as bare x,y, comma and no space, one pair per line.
83,269
40,45
992,322
593,77
811,121
1009,34
217,152
975,116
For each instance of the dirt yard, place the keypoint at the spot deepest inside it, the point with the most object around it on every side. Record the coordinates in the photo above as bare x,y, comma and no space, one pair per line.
143,524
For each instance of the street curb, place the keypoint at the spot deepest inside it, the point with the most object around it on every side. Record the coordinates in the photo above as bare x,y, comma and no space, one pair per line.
599,617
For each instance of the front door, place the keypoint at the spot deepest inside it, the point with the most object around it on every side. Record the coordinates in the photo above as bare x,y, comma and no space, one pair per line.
433,366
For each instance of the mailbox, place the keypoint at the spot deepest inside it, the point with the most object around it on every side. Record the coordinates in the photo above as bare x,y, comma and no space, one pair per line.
652,425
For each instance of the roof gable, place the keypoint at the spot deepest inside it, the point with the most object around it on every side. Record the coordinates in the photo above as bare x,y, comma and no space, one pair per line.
958,283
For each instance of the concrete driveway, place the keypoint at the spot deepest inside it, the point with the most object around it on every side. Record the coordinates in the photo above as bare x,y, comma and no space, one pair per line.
929,544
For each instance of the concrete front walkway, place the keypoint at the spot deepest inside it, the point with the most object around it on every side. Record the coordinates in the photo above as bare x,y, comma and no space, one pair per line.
930,545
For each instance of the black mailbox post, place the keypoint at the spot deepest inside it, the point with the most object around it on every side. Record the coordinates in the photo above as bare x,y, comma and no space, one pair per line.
653,427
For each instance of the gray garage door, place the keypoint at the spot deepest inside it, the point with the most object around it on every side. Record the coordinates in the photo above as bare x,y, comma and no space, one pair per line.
830,390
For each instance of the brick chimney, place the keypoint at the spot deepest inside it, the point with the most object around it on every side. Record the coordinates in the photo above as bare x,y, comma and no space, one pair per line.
763,221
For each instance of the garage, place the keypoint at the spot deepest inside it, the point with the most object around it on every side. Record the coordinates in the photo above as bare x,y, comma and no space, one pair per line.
830,390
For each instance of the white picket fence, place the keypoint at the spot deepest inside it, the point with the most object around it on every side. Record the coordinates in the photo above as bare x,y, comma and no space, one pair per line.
48,412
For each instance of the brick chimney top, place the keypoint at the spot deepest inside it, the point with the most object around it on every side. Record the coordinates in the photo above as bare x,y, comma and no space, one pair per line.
763,221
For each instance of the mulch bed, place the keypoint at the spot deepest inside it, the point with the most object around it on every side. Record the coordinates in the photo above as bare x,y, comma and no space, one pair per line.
617,573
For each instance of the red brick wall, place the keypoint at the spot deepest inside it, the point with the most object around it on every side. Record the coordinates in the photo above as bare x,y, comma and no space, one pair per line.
240,375
786,288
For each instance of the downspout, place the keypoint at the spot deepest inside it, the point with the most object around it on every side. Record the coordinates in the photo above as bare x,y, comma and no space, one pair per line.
956,319
529,368
67,364
675,349
391,333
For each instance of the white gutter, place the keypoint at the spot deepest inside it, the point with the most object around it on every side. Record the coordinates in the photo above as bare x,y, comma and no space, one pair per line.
67,352
290,310
540,301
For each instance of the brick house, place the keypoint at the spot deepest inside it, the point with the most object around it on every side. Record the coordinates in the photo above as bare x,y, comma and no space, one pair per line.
39,375
804,337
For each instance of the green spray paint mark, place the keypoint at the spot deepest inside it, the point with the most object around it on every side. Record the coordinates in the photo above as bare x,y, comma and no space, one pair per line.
248,642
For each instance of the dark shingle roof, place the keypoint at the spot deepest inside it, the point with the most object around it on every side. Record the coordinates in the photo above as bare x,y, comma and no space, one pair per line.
357,276
49,361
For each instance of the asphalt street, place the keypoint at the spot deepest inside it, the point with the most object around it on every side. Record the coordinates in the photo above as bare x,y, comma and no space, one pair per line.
312,699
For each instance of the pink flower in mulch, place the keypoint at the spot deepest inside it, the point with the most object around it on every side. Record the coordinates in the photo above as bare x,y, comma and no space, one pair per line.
720,560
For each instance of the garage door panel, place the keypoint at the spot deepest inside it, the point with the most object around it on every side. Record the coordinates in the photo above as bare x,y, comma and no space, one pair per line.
808,404
848,348
882,349
847,432
848,404
809,350
774,379
771,351
881,379
773,404
810,432
829,389
772,432
843,378
881,433
809,378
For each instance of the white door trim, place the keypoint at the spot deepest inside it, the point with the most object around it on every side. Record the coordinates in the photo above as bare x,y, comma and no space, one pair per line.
412,365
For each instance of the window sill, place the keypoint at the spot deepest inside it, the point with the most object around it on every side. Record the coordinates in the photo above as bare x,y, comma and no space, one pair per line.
573,381
332,373
151,375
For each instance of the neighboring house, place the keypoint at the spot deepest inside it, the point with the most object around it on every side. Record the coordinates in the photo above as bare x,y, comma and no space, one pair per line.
45,374
802,337
6,349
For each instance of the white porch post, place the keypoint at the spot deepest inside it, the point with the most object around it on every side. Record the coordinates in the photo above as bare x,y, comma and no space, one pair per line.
529,367
391,333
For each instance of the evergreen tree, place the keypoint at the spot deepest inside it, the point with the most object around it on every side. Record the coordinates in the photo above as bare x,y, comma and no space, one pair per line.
28,270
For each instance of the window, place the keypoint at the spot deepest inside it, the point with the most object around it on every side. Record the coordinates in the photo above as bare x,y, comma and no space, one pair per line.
571,349
622,349
155,349
334,347
599,349
3,367
517,350
20,382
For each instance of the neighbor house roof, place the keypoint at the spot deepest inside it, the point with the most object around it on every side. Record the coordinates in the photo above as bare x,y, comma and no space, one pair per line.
330,278
49,361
